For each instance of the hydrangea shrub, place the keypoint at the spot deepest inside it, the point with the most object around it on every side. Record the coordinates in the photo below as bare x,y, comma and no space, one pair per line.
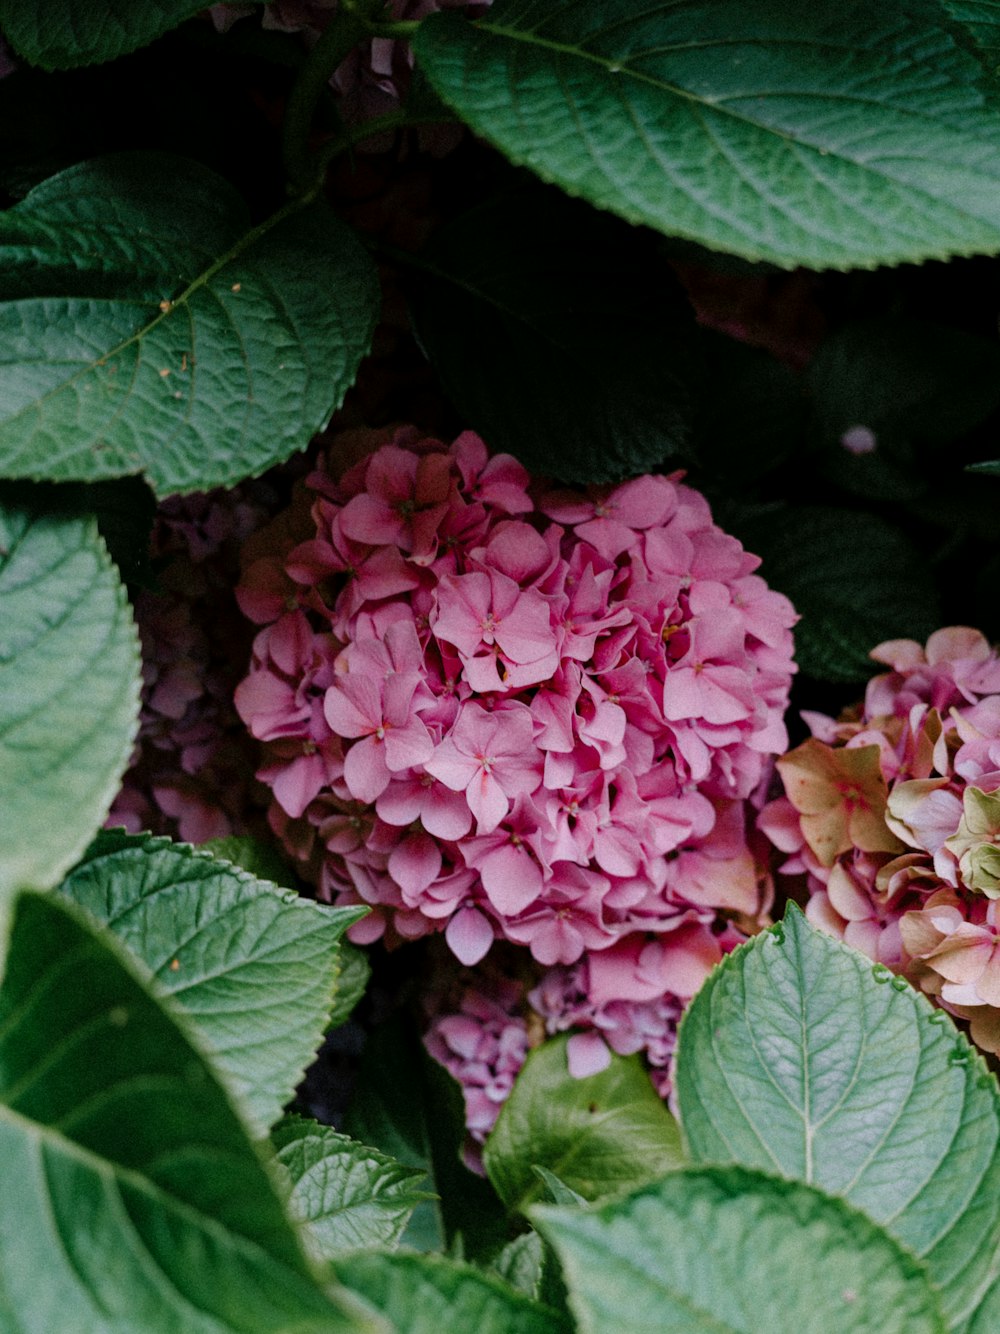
524,736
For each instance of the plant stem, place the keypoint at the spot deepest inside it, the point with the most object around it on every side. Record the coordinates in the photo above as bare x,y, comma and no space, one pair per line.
344,31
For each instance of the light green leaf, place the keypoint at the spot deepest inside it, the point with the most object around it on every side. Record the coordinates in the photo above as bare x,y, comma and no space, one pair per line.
733,1252
253,966
132,1199
353,974
599,1135
521,1262
842,133
145,327
427,1294
69,687
854,579
800,1056
346,1194
62,34
583,314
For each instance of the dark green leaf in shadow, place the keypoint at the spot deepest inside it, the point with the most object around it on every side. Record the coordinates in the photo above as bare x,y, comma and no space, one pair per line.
410,1108
842,133
561,335
854,578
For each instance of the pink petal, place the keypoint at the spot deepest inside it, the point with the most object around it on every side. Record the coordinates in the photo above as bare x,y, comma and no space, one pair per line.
414,864
487,801
469,936
511,878
365,771
587,1054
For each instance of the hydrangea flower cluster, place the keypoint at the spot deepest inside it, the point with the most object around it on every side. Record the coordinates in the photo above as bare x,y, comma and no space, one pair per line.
191,771
516,713
892,815
504,716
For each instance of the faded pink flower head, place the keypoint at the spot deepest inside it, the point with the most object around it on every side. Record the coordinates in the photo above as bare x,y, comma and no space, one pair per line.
892,816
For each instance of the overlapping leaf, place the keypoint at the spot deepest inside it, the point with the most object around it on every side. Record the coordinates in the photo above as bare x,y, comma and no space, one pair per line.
735,1252
132,1198
569,343
799,1056
426,1294
409,1107
69,688
346,1194
855,579
833,134
62,34
146,328
601,1134
254,967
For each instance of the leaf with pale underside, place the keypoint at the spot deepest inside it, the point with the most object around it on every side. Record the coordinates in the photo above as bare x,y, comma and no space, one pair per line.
69,686
842,133
799,1056
253,966
727,1251
145,327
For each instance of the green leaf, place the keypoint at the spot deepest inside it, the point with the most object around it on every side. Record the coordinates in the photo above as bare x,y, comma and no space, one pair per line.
346,1194
980,20
581,313
410,1108
855,580
262,860
726,1250
69,688
558,1192
843,133
146,328
599,1135
427,1294
353,974
521,1262
62,34
253,966
800,1056
132,1198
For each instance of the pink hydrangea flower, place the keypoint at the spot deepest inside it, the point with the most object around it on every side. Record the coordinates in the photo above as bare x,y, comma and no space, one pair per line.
892,817
191,774
493,712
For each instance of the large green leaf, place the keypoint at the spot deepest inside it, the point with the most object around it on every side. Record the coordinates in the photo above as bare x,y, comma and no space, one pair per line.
145,327
800,1056
346,1194
840,133
599,1135
561,335
427,1294
132,1199
409,1107
855,579
728,1251
69,687
253,966
64,33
